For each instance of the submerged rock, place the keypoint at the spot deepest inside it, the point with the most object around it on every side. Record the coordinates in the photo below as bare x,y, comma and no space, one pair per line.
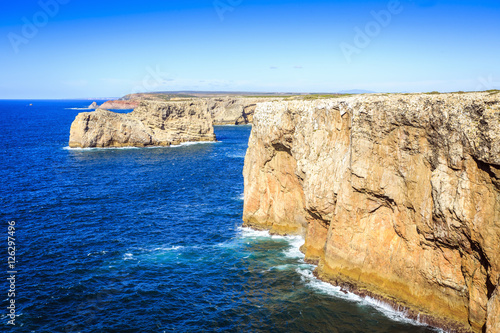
398,197
151,124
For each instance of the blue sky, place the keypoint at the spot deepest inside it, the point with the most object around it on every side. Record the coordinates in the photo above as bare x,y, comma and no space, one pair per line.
83,49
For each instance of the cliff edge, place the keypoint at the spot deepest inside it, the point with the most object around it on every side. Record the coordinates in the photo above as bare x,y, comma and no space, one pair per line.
150,124
120,105
234,110
398,197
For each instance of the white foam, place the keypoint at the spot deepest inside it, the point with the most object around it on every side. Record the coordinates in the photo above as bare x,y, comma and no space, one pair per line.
149,147
242,155
387,310
159,249
295,241
311,281
251,233
98,148
197,143
96,253
306,274
282,267
294,250
392,313
128,256
172,248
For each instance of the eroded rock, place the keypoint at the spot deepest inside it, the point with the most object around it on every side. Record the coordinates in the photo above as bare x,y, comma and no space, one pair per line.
151,124
398,197
234,110
120,105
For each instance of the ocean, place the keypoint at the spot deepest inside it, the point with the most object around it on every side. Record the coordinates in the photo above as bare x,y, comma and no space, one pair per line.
150,240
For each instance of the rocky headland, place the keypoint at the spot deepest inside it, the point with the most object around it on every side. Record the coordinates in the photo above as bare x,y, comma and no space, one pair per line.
397,196
234,110
150,124
120,105
225,109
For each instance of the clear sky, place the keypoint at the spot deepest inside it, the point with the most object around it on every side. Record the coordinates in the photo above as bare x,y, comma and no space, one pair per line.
108,48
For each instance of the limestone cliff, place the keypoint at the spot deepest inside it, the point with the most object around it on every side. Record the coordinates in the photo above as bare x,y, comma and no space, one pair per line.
234,110
93,105
151,124
398,197
120,105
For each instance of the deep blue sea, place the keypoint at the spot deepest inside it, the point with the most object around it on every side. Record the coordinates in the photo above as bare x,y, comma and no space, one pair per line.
150,240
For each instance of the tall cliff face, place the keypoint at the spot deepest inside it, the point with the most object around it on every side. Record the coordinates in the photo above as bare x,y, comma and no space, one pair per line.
150,124
398,197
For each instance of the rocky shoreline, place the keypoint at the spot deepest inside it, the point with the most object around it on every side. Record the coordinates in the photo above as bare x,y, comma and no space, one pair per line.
150,124
397,196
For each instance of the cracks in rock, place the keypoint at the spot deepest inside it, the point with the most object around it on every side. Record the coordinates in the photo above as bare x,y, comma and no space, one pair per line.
483,261
382,199
316,216
278,146
487,168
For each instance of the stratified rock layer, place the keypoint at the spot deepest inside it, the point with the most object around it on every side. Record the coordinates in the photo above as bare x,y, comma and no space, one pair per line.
398,197
151,124
233,110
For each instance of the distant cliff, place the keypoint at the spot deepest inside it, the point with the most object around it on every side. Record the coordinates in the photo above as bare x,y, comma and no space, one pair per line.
234,110
398,197
120,105
93,105
225,110
150,124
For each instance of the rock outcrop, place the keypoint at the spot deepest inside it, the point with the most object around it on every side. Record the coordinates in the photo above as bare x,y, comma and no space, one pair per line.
398,197
150,124
493,322
234,110
227,110
120,105
93,106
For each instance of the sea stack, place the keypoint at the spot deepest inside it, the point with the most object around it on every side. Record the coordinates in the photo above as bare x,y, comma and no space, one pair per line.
398,197
150,124
93,106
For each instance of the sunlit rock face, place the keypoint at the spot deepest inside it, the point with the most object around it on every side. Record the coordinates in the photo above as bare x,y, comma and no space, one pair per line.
150,124
398,197
120,105
234,110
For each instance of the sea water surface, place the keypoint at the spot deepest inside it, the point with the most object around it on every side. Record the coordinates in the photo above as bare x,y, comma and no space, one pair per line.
150,240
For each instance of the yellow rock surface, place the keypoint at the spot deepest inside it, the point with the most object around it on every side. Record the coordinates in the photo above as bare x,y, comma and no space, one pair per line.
150,124
398,197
